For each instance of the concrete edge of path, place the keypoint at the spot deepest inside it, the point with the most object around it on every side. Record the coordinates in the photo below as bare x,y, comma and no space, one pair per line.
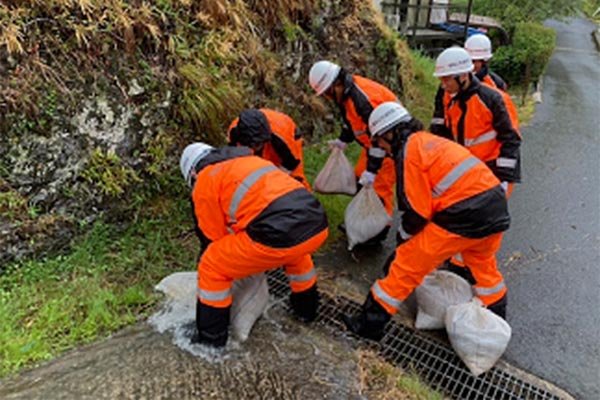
541,383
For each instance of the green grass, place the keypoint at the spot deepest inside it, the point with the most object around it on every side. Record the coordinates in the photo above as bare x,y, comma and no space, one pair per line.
426,85
103,284
411,383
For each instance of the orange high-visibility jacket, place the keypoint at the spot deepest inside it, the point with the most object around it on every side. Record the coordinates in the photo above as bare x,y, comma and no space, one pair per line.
478,119
360,97
285,147
236,191
441,182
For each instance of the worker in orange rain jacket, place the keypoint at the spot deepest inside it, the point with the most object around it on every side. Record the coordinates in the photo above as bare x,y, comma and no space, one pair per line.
356,98
479,48
273,136
250,217
451,202
481,118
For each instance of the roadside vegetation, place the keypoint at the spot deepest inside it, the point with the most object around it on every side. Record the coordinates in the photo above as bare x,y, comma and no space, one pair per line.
205,62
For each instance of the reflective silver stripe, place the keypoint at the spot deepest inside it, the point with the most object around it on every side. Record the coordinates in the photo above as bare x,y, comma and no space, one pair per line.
459,257
437,121
454,175
376,152
486,137
391,301
243,188
358,133
211,295
506,162
486,291
303,277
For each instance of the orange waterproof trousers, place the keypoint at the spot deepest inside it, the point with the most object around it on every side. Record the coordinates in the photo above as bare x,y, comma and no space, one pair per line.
427,250
385,180
237,256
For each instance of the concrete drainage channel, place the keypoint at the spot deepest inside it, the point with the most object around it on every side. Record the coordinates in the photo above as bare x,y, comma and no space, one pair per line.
433,361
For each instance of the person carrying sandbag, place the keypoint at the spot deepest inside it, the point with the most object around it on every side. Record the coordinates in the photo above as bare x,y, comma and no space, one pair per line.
356,97
250,217
450,203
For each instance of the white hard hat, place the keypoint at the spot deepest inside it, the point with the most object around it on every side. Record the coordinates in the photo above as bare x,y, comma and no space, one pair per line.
453,61
322,75
479,47
386,116
189,158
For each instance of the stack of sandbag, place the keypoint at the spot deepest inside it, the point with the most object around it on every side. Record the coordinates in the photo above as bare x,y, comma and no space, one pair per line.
365,217
439,290
478,336
337,175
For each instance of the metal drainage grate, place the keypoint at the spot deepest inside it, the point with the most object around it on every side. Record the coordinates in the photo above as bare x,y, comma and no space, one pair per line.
435,363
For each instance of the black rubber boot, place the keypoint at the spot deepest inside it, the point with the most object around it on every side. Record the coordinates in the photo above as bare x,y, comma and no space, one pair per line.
370,322
212,324
463,272
499,307
305,304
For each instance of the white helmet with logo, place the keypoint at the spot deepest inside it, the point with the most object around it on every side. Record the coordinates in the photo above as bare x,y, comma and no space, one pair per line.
453,61
479,47
322,75
386,116
191,155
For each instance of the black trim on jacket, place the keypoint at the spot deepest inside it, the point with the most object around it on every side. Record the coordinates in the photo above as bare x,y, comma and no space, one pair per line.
498,81
507,135
288,161
438,113
289,220
412,221
476,217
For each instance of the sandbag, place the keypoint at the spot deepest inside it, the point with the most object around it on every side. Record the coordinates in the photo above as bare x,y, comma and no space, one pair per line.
337,175
478,336
439,290
250,298
365,217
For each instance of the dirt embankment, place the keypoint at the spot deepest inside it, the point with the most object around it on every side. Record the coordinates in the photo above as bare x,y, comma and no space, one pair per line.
97,98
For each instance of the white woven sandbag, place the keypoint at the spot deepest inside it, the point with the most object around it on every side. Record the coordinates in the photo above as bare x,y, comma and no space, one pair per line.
250,298
478,336
337,175
437,292
365,217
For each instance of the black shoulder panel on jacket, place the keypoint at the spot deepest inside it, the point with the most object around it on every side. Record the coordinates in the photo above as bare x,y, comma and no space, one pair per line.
478,216
289,220
288,161
498,81
222,154
361,103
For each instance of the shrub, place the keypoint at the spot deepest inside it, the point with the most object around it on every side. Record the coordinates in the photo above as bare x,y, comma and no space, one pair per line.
525,60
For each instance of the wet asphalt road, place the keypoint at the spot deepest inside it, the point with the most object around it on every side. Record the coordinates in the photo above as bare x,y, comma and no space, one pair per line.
550,256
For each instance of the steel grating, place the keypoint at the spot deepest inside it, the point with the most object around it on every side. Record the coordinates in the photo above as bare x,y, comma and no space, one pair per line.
434,362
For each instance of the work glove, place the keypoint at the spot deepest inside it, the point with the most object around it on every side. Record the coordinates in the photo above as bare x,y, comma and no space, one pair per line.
499,307
212,324
371,320
305,304
337,143
367,179
504,186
